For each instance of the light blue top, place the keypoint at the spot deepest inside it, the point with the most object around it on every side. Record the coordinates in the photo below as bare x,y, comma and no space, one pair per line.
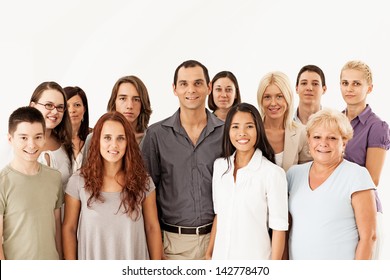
323,220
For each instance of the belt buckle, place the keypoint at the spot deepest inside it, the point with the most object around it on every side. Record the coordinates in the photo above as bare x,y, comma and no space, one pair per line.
197,231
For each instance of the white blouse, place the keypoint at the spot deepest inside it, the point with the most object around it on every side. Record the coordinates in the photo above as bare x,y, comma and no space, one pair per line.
247,208
279,159
59,160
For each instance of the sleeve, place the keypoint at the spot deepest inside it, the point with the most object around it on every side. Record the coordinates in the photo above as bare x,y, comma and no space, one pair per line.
379,136
87,144
360,179
277,200
60,193
151,186
43,158
151,157
75,183
3,201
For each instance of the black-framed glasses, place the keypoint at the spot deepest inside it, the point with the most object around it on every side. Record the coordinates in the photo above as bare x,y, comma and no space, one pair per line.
50,106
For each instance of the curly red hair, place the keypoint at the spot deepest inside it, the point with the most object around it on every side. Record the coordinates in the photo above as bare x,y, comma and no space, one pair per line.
135,181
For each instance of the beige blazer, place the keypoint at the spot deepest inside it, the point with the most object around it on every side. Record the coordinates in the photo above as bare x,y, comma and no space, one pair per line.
296,149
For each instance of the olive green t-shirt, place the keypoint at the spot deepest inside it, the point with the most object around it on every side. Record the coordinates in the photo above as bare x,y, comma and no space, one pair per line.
27,204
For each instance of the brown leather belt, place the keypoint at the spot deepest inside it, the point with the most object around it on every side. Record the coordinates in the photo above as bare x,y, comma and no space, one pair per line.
205,229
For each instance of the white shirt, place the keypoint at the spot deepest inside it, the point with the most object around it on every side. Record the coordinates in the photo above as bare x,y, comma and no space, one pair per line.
279,159
247,208
59,160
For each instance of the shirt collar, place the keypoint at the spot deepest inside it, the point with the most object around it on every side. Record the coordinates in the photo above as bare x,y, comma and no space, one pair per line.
174,122
363,116
295,117
254,163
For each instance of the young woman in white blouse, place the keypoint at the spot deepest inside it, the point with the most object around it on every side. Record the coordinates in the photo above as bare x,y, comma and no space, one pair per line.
249,192
49,98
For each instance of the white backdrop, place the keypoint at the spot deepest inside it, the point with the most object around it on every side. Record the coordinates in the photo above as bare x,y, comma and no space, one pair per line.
92,43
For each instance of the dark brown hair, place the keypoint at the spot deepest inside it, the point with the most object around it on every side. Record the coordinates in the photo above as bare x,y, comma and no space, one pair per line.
311,68
230,76
25,114
146,110
191,64
84,127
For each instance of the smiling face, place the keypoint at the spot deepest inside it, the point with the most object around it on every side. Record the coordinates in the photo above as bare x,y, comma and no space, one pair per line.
326,145
112,142
52,117
191,88
224,93
273,102
76,110
27,141
243,132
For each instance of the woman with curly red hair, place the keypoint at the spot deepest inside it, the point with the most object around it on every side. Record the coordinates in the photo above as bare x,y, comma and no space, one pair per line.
110,204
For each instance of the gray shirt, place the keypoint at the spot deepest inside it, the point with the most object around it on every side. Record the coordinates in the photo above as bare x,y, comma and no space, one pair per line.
182,171
104,232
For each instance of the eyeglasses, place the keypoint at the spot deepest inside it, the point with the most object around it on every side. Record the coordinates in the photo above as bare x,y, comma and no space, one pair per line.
50,106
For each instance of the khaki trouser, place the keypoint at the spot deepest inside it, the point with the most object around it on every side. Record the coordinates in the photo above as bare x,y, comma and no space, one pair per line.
185,246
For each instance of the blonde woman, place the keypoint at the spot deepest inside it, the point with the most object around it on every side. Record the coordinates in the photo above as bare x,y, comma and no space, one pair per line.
371,138
287,137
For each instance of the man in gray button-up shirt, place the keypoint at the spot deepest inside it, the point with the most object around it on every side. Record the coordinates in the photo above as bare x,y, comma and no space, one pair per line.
179,153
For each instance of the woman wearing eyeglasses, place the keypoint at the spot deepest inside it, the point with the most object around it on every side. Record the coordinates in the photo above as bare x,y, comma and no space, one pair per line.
49,98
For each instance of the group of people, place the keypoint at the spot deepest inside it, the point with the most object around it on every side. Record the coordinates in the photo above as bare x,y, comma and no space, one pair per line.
235,182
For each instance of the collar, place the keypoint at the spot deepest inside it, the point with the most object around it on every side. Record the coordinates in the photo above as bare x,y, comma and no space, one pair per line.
174,122
254,163
296,115
364,115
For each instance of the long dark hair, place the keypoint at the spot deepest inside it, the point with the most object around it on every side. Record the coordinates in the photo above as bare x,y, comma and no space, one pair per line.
84,127
261,142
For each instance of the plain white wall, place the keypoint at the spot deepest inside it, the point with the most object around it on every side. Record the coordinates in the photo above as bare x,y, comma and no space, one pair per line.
92,43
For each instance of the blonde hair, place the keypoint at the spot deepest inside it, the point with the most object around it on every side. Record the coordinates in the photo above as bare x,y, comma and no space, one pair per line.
283,83
332,119
359,66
